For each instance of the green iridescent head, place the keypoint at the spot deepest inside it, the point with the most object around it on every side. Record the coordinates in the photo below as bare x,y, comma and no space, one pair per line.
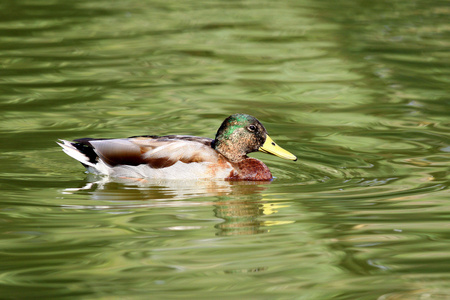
241,134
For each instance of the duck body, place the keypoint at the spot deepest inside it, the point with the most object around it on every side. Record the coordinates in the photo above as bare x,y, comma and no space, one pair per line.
182,156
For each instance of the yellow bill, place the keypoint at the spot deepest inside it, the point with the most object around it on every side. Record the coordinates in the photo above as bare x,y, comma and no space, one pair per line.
272,148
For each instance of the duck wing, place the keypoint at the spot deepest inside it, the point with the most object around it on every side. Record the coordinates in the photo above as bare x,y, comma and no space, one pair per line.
155,151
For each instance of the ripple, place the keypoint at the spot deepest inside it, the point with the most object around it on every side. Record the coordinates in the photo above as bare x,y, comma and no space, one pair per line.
358,92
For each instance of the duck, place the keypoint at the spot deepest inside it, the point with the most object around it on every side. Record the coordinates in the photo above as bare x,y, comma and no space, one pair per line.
182,156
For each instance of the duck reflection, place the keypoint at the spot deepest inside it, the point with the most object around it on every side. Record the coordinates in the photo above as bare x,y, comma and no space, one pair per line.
239,204
241,214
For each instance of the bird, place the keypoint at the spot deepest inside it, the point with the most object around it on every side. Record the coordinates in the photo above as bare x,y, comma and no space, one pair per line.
182,156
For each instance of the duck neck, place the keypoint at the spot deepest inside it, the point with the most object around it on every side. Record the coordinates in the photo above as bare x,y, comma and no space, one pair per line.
228,151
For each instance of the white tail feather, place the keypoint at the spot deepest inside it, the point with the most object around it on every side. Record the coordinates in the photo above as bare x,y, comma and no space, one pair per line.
73,152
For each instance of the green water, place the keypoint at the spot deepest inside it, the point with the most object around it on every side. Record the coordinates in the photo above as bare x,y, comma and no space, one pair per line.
358,90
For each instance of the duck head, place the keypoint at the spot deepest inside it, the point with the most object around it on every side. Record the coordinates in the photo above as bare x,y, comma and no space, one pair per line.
241,134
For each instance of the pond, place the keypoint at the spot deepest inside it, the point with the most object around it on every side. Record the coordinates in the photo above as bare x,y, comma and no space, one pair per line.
358,91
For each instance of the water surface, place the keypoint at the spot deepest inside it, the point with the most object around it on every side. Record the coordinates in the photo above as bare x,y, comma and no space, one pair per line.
357,90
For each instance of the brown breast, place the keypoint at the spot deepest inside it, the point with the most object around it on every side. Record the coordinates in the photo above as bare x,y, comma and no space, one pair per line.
250,169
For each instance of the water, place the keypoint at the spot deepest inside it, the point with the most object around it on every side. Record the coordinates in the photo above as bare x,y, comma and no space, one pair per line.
357,90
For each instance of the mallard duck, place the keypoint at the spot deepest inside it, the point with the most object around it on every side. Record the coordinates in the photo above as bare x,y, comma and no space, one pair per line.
182,156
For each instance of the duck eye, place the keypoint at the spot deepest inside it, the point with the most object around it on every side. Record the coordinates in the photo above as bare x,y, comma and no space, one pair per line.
252,128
